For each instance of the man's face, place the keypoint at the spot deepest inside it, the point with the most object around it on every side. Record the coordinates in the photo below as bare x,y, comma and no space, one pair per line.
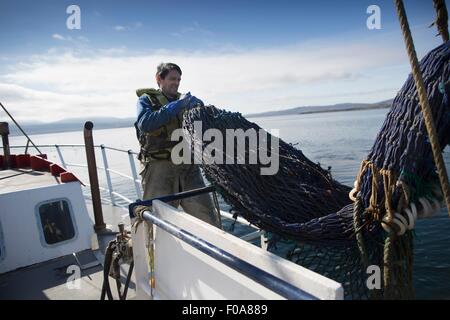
169,85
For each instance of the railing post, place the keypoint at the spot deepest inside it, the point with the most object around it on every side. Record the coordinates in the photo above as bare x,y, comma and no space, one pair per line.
26,147
93,178
4,131
60,156
264,240
108,176
134,173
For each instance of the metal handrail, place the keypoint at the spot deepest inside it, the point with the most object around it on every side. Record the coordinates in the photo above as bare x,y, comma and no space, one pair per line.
119,173
107,170
120,150
108,176
170,197
79,165
258,275
122,197
78,145
53,145
135,179
57,146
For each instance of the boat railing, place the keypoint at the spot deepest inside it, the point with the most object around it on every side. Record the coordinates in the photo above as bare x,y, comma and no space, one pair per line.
262,277
112,194
106,168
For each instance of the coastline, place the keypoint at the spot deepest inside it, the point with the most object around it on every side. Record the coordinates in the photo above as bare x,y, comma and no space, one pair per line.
322,111
57,127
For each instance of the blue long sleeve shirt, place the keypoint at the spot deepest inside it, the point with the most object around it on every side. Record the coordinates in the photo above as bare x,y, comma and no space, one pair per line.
148,119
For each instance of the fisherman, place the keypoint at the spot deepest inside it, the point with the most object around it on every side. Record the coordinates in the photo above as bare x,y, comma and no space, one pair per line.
159,113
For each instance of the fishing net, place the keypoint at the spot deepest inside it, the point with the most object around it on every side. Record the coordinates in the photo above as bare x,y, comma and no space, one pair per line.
302,204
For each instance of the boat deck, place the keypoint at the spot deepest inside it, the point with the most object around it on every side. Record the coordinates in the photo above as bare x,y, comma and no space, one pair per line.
48,280
22,179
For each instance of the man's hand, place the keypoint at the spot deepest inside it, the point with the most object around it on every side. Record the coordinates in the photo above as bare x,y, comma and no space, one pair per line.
195,102
175,107
188,101
185,102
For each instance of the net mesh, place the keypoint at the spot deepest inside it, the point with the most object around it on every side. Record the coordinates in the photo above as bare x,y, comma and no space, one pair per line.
304,206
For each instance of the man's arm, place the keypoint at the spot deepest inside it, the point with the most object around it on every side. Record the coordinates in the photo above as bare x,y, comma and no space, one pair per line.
149,120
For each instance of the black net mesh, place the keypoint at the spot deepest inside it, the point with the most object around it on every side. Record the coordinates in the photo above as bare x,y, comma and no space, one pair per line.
303,204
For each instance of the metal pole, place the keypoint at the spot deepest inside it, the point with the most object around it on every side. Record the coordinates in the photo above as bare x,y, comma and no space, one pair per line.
134,173
26,147
264,240
217,207
20,128
4,131
168,198
61,157
108,176
93,178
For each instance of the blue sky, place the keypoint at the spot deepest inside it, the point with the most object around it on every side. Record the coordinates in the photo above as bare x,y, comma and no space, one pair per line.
247,56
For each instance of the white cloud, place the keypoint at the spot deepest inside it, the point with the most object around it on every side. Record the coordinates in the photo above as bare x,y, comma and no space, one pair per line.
80,40
103,82
44,105
132,27
58,37
194,28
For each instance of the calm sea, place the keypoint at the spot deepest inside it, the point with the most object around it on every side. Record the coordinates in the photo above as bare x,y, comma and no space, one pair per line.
337,139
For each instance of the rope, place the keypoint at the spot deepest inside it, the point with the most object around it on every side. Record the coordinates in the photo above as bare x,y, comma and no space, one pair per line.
139,210
388,266
388,183
357,215
441,19
425,107
409,257
374,208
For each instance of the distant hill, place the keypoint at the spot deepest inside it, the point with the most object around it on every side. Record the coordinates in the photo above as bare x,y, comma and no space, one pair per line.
72,124
318,109
77,124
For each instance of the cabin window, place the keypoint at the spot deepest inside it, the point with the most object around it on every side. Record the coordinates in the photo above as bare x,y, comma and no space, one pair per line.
56,221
